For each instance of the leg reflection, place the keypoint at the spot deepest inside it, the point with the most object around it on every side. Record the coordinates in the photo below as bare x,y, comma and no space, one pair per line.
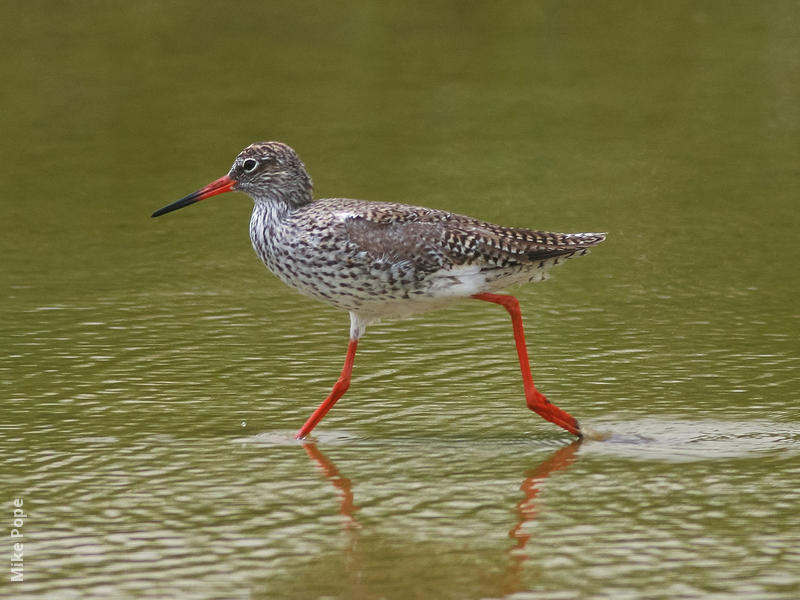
527,508
342,484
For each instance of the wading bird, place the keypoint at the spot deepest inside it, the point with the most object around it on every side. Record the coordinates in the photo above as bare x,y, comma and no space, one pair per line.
384,260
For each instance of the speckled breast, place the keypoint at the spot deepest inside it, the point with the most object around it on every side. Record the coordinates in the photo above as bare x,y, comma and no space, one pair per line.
315,257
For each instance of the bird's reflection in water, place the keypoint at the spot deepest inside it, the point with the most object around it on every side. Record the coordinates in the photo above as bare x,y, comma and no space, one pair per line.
526,511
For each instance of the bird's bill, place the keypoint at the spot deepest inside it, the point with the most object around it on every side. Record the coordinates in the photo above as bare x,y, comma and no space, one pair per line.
218,186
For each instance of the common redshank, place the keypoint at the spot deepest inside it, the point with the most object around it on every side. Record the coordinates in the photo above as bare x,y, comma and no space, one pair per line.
385,260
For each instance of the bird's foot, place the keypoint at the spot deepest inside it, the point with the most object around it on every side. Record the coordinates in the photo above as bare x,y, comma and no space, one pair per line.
539,404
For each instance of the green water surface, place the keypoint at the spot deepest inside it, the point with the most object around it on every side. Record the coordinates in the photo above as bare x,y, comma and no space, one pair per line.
152,372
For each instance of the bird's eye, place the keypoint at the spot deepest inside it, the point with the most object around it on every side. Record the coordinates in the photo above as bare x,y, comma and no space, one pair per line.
250,165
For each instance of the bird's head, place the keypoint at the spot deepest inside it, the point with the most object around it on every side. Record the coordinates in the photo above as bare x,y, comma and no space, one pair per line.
266,171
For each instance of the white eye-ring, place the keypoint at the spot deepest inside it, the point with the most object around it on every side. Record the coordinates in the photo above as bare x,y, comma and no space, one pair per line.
250,165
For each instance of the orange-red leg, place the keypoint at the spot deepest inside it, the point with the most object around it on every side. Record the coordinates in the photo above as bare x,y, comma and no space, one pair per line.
533,397
339,388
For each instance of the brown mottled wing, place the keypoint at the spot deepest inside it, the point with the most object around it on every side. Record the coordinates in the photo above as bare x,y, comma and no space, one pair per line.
431,239
419,245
